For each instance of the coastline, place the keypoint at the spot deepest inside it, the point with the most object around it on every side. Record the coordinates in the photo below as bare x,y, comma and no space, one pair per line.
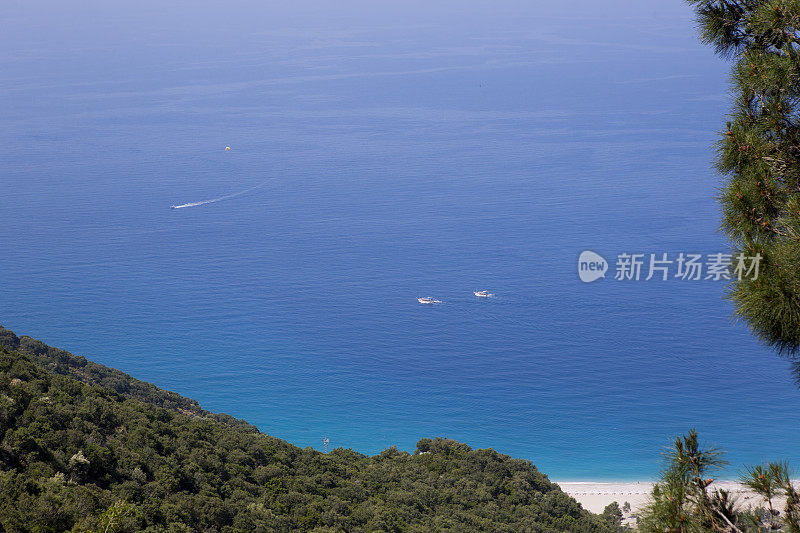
595,495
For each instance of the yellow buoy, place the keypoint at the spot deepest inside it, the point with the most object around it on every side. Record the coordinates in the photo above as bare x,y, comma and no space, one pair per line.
227,148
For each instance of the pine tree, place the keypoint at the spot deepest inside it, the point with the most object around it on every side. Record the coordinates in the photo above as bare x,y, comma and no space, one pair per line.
684,500
760,157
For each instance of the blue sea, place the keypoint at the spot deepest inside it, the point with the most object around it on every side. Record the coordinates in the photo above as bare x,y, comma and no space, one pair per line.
399,149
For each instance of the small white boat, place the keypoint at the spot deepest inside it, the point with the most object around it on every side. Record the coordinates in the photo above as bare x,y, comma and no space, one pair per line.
428,300
482,294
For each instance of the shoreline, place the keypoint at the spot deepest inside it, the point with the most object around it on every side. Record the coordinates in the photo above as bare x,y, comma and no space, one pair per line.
594,496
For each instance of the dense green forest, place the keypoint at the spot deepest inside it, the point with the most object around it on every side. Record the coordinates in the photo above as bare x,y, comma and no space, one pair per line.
87,448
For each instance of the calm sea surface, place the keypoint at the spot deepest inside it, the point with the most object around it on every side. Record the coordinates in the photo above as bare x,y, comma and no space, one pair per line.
404,150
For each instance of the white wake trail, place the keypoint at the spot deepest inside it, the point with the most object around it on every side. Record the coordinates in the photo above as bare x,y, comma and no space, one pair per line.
226,197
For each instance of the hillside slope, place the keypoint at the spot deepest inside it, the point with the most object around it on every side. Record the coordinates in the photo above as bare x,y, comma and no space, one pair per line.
85,447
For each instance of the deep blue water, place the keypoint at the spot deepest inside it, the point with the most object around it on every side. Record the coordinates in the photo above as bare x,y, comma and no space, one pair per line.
411,150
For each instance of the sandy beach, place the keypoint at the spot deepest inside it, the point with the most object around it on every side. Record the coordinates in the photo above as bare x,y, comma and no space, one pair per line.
594,496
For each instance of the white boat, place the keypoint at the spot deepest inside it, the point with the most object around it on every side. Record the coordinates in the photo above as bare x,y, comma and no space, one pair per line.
482,294
428,300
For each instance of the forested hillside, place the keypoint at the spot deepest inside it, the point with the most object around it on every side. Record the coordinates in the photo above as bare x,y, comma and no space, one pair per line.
87,448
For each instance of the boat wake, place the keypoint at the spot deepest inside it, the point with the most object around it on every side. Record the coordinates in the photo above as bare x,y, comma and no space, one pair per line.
221,198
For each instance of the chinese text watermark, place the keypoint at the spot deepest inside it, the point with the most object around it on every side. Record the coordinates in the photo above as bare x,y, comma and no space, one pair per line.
663,266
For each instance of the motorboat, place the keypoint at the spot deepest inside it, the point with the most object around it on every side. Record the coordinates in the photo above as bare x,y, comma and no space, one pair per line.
482,294
428,300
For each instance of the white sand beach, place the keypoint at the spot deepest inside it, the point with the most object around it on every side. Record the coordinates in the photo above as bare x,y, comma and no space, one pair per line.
594,496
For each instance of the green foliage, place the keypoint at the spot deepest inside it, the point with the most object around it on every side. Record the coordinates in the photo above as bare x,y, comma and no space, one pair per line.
64,363
117,518
682,502
760,155
87,448
772,481
612,514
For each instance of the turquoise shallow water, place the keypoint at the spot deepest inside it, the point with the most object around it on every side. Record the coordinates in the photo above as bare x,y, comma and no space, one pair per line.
407,151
